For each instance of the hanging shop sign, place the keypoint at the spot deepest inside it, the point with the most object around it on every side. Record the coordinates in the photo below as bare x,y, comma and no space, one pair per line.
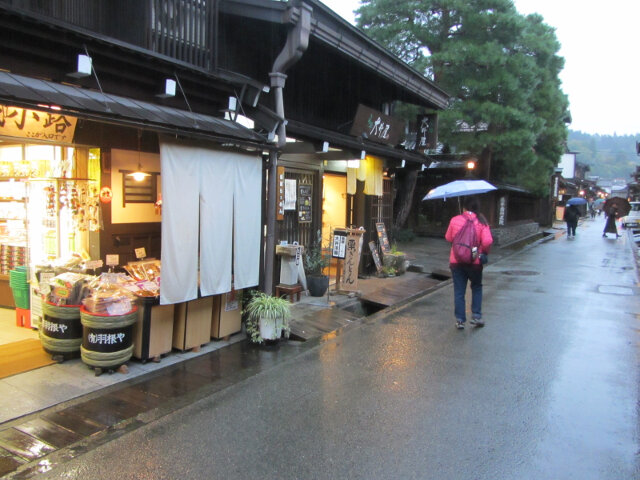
427,138
376,126
304,203
36,125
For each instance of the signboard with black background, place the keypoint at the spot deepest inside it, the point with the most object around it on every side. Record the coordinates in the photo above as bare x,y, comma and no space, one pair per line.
427,136
376,126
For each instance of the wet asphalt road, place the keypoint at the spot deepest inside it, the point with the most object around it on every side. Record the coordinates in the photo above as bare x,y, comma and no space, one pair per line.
547,390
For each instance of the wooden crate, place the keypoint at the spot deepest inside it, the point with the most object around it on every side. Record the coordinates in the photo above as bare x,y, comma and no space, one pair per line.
192,323
153,331
226,317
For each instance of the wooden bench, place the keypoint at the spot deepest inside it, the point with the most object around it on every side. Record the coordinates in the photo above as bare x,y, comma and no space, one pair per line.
290,290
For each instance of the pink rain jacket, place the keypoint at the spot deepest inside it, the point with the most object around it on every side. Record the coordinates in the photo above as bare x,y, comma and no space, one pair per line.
483,233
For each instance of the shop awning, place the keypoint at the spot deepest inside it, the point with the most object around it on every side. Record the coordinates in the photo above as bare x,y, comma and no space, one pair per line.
38,94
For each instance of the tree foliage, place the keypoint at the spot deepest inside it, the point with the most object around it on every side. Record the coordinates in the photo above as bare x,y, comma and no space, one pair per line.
609,156
500,68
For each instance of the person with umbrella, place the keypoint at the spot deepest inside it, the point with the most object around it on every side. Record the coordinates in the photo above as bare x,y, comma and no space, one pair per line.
463,273
571,216
615,207
610,226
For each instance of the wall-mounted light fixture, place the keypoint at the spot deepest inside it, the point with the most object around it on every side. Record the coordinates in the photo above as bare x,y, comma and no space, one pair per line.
403,163
83,67
168,89
363,154
471,164
353,163
325,147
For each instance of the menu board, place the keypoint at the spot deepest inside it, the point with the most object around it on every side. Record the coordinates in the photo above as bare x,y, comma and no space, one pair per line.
304,203
382,237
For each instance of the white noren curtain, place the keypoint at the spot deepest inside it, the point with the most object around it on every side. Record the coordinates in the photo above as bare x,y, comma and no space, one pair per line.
210,203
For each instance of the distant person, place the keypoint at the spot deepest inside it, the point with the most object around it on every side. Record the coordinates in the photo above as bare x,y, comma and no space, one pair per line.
592,210
463,272
571,216
610,226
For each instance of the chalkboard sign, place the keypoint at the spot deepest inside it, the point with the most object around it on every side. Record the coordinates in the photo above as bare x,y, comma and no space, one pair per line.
304,203
382,236
374,254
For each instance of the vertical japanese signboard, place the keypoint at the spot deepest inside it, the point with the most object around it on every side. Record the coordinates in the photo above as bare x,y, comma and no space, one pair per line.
351,263
382,237
280,199
427,138
339,244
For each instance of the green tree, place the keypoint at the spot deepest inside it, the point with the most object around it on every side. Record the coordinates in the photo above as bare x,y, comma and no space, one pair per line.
501,69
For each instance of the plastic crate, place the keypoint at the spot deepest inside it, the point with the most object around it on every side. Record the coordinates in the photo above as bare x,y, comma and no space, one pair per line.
21,297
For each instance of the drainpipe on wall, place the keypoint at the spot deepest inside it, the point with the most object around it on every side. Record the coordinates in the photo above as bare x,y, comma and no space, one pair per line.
297,43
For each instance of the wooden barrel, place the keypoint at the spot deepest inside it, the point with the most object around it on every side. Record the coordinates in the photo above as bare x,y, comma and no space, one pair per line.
107,340
60,330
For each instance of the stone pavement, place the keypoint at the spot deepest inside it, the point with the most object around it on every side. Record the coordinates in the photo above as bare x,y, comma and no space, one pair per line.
85,412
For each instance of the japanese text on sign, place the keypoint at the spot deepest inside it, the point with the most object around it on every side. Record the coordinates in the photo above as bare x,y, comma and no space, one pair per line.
339,244
53,327
20,122
106,338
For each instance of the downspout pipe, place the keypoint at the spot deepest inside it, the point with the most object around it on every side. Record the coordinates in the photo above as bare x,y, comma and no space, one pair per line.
296,44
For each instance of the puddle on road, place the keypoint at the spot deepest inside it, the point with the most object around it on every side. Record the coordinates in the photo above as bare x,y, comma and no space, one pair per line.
615,290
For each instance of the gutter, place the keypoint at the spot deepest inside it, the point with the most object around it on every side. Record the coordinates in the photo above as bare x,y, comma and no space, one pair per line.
295,46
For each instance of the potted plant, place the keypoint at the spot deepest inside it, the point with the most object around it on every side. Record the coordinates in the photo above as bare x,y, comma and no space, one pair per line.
396,260
315,261
267,317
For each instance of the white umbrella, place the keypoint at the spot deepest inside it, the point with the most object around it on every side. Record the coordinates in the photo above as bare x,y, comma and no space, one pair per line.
459,188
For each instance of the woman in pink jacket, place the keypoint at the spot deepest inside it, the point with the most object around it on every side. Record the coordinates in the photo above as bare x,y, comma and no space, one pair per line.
462,273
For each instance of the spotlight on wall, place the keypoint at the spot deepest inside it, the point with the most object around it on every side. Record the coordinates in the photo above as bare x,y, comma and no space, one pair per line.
168,89
83,67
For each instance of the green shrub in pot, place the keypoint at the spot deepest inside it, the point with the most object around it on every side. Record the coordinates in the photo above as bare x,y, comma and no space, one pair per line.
267,317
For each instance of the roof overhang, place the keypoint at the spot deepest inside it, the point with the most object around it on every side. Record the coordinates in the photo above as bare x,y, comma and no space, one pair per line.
38,94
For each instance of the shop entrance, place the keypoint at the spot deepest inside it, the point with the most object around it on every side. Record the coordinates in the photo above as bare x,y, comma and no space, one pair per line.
334,207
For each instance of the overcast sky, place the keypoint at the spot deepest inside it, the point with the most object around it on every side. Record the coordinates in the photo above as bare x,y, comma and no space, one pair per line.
600,43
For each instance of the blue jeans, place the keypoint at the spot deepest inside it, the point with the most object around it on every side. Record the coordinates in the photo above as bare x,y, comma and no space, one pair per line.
462,274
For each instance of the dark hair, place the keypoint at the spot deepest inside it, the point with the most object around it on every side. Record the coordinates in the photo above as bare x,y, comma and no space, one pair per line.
471,204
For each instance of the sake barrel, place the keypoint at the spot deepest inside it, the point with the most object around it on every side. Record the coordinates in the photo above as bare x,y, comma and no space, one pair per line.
60,330
107,340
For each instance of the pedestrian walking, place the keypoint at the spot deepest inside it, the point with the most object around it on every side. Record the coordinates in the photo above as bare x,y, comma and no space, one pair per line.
571,216
468,270
610,225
